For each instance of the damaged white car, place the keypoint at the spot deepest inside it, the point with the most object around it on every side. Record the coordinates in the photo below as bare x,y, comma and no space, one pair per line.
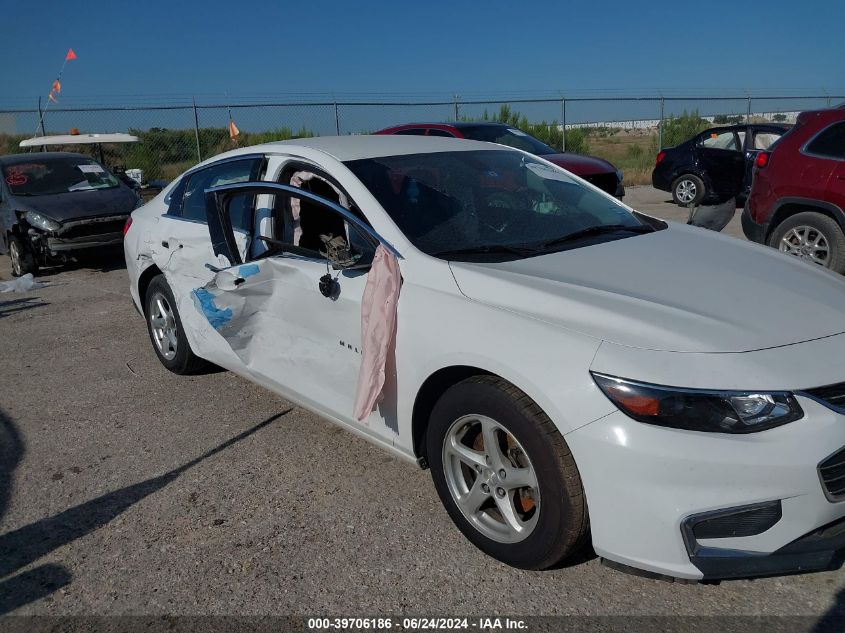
572,371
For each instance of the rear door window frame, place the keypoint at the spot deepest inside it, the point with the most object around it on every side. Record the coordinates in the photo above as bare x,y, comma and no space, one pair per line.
707,134
176,198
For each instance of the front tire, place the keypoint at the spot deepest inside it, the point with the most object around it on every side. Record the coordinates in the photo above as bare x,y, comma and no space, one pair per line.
813,237
166,331
505,474
23,259
688,190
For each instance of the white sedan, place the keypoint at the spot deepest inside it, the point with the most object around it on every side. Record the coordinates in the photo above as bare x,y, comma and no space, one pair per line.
572,371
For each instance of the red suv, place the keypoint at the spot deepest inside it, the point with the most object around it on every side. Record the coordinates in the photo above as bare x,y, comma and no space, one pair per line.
797,199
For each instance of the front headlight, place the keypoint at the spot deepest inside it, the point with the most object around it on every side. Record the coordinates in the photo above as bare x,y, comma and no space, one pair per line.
39,221
700,410
620,175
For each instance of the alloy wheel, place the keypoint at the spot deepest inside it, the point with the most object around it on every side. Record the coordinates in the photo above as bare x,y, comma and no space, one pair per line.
807,243
491,478
163,326
15,256
686,191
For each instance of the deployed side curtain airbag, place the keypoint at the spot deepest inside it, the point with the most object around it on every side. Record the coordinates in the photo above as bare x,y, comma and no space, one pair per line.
378,329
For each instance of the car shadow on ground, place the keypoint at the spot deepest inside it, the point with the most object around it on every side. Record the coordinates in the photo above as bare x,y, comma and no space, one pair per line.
103,260
45,579
13,306
27,544
11,453
834,620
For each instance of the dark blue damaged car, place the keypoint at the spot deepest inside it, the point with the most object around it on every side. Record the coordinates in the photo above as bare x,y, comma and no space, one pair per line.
55,204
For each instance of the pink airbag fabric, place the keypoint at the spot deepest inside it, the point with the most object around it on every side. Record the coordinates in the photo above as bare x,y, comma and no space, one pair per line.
378,329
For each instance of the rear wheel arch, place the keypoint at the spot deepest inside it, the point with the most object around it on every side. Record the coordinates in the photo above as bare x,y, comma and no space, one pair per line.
788,207
150,273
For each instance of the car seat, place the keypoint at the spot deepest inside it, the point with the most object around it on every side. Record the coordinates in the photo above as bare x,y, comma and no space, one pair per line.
316,220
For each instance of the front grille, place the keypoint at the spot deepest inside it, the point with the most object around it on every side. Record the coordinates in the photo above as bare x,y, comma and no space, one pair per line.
605,182
834,395
832,474
94,228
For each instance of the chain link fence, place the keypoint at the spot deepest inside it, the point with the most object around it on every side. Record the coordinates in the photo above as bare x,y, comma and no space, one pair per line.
628,131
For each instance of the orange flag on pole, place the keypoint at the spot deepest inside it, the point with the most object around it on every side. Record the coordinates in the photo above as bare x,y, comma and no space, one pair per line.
70,55
57,87
233,130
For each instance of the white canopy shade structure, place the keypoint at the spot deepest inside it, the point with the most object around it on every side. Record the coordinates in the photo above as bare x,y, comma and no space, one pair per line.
78,139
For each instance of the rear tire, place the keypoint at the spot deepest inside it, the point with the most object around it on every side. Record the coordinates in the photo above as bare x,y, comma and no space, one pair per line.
813,237
23,259
525,469
688,190
166,331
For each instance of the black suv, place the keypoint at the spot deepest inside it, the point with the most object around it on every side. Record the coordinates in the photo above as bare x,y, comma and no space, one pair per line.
715,165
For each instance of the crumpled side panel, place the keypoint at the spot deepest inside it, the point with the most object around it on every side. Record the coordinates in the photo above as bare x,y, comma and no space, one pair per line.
378,329
233,315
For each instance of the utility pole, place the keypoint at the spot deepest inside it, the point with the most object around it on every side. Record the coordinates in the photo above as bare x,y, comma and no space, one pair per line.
41,123
456,108
197,131
336,119
563,124
660,125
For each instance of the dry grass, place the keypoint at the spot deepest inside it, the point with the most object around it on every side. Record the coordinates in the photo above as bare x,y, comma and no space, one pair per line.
632,151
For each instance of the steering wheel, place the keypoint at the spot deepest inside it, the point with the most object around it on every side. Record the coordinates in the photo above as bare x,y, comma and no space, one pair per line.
504,200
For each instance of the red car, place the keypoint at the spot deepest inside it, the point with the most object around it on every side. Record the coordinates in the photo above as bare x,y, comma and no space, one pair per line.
594,170
797,199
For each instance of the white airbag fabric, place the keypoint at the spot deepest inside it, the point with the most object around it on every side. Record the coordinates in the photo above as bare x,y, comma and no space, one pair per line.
378,329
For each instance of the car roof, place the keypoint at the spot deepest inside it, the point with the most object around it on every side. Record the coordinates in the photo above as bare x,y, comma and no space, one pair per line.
345,148
834,113
16,159
78,139
455,124
462,124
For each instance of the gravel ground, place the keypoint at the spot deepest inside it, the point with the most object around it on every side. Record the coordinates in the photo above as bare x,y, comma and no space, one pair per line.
126,490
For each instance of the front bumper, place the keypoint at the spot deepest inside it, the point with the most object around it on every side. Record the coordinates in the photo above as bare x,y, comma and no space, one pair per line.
83,234
643,484
753,231
822,549
58,244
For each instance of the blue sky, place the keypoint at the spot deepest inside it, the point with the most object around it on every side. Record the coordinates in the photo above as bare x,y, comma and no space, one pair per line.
429,48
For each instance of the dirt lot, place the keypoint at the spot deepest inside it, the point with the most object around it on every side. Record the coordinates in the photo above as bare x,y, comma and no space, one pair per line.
127,490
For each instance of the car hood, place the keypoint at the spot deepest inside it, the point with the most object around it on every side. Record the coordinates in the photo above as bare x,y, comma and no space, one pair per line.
581,165
77,205
680,289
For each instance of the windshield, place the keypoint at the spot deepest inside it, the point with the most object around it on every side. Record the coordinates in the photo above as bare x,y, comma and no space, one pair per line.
497,204
509,136
50,176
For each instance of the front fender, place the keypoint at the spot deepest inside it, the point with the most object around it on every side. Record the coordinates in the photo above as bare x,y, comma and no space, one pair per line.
549,364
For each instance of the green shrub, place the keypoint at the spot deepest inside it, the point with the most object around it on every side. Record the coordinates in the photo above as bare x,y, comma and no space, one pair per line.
577,141
676,130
